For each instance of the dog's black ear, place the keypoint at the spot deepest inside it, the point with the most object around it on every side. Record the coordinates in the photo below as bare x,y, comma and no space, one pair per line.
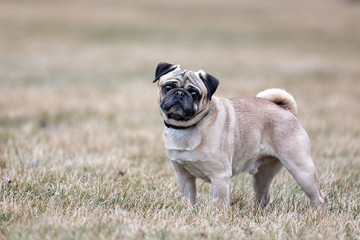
162,69
210,82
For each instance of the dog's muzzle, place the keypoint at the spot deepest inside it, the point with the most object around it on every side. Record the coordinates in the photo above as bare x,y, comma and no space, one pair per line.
178,104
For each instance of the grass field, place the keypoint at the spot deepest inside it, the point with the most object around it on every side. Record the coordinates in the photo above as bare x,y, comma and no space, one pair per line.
81,151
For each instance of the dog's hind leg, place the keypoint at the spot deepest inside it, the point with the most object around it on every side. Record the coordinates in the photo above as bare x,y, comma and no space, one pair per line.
298,162
305,175
263,178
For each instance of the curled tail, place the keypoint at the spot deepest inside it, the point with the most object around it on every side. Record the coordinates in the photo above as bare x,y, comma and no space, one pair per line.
280,97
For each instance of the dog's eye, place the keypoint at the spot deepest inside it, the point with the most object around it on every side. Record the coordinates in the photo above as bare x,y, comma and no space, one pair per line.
194,95
167,88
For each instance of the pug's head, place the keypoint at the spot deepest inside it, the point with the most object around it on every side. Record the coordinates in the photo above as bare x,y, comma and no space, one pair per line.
184,95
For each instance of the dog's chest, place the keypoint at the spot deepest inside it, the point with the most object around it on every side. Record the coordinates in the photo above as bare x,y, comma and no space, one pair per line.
197,169
185,151
180,141
192,162
187,146
184,148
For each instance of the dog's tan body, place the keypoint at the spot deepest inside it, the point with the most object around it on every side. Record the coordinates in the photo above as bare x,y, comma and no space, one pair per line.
252,135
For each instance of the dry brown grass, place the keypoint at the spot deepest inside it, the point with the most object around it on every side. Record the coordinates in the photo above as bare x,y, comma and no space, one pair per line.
81,152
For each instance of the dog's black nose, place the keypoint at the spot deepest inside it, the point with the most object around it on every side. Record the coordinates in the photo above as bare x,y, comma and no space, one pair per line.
180,93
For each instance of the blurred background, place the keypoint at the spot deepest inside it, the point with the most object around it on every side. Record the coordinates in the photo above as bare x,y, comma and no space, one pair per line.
81,150
76,76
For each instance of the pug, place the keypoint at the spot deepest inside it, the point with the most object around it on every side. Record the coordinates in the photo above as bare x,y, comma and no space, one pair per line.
214,138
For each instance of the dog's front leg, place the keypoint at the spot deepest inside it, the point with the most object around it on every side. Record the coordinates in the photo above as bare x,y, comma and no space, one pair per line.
186,182
221,190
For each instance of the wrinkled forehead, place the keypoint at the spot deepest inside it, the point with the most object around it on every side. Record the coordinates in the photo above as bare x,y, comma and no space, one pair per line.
184,77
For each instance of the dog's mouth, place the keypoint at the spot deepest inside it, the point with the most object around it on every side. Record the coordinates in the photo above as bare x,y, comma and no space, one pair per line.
176,112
